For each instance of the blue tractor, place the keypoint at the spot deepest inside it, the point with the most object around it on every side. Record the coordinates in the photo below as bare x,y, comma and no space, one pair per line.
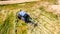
22,15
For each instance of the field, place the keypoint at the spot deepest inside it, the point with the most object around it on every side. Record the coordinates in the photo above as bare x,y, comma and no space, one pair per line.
48,21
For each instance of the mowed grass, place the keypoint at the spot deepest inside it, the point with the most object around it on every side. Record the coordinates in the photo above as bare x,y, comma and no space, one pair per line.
47,21
51,1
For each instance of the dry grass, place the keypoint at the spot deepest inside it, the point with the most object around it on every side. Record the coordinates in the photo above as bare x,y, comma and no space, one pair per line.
48,22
